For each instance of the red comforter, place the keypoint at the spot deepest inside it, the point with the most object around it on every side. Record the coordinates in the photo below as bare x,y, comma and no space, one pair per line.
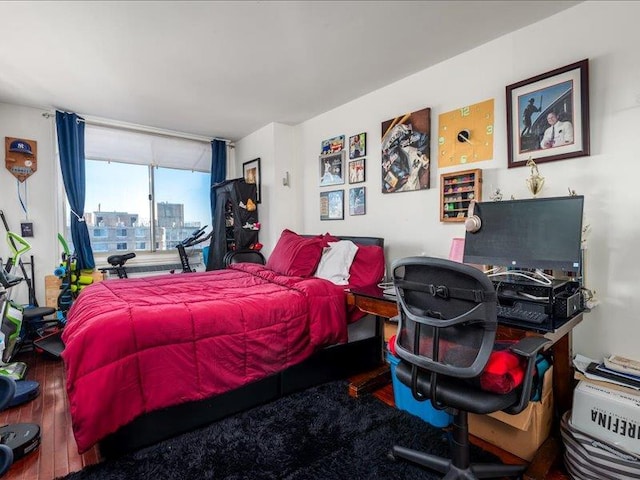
141,344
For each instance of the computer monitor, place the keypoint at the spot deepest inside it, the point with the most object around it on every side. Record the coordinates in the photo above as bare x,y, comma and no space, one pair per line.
539,233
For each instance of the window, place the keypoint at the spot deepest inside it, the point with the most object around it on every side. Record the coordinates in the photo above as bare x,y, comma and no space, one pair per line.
130,203
99,247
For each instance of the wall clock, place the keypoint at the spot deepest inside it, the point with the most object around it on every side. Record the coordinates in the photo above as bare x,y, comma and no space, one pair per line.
465,135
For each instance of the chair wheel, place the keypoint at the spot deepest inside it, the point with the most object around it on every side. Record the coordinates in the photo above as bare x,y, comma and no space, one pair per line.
391,456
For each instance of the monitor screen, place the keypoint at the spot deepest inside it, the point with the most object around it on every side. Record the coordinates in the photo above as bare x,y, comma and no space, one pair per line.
542,233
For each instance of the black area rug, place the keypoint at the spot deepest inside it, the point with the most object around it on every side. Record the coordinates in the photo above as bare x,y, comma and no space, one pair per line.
318,434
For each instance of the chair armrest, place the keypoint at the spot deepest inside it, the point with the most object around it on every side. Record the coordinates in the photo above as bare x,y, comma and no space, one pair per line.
528,347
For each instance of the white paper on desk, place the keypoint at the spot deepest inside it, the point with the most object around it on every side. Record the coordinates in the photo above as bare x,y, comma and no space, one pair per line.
580,362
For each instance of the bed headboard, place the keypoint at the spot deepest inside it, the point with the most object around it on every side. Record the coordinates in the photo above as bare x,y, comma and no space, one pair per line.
358,240
364,240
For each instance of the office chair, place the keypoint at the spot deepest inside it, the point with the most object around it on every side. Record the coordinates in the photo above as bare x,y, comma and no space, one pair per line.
446,332
240,256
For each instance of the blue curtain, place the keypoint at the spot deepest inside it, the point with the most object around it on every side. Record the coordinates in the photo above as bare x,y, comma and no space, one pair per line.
218,174
70,129
218,169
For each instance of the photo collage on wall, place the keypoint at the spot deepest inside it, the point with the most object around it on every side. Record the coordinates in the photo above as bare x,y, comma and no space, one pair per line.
334,170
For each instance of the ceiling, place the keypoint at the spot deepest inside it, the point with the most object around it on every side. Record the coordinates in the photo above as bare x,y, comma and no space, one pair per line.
225,69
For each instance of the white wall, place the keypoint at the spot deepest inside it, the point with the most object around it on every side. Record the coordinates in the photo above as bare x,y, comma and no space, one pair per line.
274,145
28,123
604,32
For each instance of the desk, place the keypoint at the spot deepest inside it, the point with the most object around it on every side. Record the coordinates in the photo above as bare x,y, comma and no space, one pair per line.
373,301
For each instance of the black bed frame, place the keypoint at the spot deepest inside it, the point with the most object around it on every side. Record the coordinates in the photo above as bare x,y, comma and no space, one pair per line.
331,363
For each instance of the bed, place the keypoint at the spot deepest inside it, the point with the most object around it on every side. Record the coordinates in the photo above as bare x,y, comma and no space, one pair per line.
148,358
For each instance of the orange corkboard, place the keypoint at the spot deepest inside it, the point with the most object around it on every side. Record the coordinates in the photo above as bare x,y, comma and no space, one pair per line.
465,135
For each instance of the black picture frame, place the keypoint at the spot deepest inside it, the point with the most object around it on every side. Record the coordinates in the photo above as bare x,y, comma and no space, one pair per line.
357,201
358,146
332,169
560,96
251,174
357,171
332,205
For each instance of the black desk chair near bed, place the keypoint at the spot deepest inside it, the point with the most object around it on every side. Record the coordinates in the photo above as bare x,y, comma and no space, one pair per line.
241,256
447,328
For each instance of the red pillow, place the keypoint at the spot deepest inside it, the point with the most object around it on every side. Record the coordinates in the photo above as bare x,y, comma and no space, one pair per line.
295,255
367,267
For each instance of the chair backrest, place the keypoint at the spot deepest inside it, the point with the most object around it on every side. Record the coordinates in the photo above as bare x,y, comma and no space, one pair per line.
448,317
243,256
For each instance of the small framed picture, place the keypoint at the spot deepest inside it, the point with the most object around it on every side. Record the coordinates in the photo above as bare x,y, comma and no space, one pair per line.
332,169
251,173
548,116
356,171
357,201
332,145
332,205
358,145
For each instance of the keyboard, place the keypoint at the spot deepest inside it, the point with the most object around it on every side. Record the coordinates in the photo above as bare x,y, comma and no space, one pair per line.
522,315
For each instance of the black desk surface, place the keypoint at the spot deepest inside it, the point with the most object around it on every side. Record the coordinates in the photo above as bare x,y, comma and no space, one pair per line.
376,293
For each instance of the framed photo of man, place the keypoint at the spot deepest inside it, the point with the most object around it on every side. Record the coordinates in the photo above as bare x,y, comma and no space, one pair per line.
548,116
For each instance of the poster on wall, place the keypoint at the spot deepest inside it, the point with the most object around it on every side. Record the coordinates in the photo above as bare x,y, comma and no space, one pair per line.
21,157
332,145
405,152
332,169
332,205
357,201
358,146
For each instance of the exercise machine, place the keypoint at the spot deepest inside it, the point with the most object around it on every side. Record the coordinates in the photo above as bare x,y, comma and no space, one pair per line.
117,264
192,240
16,261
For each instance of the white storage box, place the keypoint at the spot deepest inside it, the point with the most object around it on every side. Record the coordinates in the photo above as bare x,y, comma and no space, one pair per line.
608,414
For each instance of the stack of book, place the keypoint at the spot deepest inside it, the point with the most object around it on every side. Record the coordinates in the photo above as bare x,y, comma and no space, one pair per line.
604,373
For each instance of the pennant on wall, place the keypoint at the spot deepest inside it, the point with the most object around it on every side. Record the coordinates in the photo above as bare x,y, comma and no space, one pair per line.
21,157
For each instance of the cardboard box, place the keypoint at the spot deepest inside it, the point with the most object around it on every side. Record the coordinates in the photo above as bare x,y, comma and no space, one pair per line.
608,414
52,287
520,434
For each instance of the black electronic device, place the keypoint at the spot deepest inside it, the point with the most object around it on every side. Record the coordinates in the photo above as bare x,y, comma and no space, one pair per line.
550,305
22,438
543,233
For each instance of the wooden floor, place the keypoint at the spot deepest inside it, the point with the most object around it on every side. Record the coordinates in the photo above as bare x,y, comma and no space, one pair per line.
58,455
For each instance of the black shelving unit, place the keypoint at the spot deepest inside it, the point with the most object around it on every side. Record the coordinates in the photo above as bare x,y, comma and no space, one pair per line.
235,220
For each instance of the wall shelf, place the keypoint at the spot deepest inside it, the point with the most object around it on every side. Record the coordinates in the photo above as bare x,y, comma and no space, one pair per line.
457,190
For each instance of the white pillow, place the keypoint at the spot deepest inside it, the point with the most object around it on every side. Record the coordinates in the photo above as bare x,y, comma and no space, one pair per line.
336,261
